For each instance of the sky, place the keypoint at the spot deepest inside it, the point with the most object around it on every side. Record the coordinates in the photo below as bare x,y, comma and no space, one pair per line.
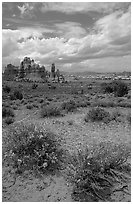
76,36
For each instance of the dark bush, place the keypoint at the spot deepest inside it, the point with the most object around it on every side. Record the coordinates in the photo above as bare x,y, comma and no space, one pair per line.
97,114
6,112
6,88
29,106
31,147
9,120
50,110
18,94
119,88
129,118
95,172
69,105
34,86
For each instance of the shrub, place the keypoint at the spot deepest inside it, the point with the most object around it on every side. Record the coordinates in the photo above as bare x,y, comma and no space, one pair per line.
70,122
34,86
119,88
30,147
117,116
29,106
97,114
18,94
129,118
50,110
94,172
6,112
9,120
69,105
6,88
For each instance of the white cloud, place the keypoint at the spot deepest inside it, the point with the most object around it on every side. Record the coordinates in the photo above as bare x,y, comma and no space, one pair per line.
81,7
110,37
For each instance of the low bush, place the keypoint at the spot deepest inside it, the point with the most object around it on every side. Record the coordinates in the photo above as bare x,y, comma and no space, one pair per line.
6,88
117,116
69,105
50,110
16,95
95,172
119,88
70,122
129,118
97,114
9,120
31,147
34,86
29,106
6,112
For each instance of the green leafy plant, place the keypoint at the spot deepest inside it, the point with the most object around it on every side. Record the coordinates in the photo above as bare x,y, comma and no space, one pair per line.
95,171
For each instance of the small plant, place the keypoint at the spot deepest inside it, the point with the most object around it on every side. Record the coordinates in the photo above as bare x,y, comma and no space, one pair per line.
97,114
34,86
18,94
129,118
29,106
50,110
70,122
95,171
6,112
69,105
31,147
117,116
9,120
6,88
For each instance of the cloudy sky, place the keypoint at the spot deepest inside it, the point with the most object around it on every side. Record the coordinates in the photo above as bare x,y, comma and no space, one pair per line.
75,36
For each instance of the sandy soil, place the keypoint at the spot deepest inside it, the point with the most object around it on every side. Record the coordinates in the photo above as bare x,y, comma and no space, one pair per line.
55,188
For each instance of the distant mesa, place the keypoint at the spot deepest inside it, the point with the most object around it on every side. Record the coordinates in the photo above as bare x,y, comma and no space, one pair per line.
27,69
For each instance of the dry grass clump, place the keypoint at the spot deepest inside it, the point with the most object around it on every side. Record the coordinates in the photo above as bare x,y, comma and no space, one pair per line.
69,106
30,147
50,110
29,106
9,120
97,114
7,111
94,172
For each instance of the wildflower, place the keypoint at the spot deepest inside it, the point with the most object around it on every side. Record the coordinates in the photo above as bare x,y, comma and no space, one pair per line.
45,164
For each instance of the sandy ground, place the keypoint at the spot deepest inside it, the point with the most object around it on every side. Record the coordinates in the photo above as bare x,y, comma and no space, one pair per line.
55,188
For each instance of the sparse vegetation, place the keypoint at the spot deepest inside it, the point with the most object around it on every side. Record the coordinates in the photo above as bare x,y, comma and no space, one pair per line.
50,110
6,88
69,105
97,114
94,172
119,88
30,147
6,112
9,120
